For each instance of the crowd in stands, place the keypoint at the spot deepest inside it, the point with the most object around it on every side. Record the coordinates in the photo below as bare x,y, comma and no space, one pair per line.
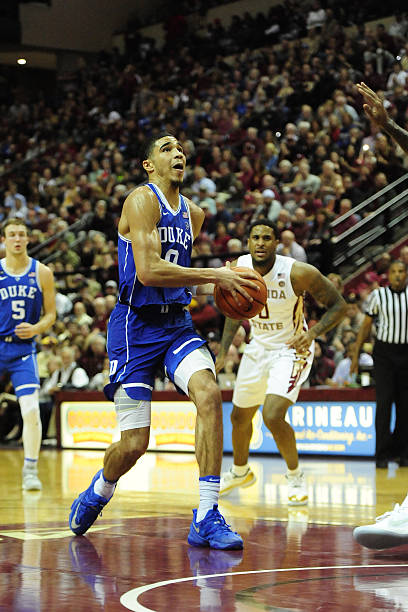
272,127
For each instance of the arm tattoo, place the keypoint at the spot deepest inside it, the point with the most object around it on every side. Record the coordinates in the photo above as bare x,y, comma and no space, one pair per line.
397,133
230,329
324,292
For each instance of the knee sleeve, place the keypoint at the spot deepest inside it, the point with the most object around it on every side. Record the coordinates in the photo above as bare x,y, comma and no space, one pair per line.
197,360
29,406
131,413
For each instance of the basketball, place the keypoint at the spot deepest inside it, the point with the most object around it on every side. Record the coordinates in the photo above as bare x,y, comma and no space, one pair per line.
244,309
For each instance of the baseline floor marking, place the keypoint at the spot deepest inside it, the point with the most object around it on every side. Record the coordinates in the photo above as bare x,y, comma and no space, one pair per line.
130,599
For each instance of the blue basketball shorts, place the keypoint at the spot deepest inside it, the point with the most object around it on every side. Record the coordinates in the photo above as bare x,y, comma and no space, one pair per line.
22,368
139,344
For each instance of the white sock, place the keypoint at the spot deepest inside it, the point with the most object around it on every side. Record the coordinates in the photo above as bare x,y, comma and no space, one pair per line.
209,492
296,472
104,488
240,470
30,464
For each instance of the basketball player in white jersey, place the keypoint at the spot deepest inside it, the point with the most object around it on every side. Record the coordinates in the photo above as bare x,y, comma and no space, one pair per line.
279,356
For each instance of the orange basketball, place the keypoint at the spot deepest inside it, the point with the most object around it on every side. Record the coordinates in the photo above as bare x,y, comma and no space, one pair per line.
244,309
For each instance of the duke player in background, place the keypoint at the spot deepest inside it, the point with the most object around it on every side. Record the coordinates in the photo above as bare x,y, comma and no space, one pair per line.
27,308
278,358
149,327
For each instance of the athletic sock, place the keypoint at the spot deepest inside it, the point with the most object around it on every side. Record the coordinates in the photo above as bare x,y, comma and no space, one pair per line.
30,464
295,472
104,488
209,492
240,470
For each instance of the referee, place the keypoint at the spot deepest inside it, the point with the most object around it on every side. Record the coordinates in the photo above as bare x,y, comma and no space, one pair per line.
388,308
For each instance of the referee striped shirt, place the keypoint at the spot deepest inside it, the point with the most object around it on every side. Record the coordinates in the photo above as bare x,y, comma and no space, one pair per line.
390,310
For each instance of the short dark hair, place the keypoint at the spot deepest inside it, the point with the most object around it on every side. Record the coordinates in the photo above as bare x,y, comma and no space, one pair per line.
398,262
151,141
12,221
268,223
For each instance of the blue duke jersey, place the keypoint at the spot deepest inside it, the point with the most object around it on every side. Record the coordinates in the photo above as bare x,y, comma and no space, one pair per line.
21,301
176,239
150,326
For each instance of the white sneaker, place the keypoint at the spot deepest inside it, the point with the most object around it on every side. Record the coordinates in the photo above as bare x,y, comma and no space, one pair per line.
31,482
297,490
230,481
390,529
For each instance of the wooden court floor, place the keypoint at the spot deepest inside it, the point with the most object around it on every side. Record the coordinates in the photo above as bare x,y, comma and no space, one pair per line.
136,556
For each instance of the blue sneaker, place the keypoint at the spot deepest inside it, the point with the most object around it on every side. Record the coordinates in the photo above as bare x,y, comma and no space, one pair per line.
214,532
86,508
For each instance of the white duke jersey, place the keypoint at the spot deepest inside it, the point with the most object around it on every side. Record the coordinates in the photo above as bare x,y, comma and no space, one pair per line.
283,313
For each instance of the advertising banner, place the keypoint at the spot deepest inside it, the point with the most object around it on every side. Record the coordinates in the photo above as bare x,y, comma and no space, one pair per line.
331,428
327,428
93,424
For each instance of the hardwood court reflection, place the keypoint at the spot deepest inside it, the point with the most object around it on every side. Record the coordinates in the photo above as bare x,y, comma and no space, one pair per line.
299,558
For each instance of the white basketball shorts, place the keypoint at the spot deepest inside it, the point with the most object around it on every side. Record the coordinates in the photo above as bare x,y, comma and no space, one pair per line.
264,371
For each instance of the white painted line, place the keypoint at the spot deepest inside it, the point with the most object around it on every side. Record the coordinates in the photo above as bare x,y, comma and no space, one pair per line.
129,599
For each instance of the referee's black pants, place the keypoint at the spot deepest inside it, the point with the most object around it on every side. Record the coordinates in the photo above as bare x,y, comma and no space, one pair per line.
391,382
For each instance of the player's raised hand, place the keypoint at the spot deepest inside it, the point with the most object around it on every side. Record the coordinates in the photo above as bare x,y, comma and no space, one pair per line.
373,106
25,331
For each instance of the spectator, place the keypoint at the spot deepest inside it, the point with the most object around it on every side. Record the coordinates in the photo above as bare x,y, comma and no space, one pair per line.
80,314
316,17
319,249
69,376
331,183
322,367
304,179
102,221
342,376
111,288
92,359
352,321
98,382
234,247
311,203
300,227
221,238
345,207
205,317
289,247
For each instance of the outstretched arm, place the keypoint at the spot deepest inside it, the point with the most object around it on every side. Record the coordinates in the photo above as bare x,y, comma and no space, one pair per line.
375,111
307,278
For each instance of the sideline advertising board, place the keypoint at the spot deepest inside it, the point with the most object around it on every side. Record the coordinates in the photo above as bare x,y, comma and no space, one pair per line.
93,424
321,427
327,428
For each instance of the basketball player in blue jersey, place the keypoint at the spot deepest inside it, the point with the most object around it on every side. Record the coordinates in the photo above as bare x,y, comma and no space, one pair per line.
27,308
151,326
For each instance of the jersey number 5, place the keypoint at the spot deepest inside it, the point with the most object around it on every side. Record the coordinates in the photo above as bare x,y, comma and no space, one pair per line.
18,309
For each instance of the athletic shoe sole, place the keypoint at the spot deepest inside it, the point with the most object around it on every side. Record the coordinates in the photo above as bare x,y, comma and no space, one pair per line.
378,539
